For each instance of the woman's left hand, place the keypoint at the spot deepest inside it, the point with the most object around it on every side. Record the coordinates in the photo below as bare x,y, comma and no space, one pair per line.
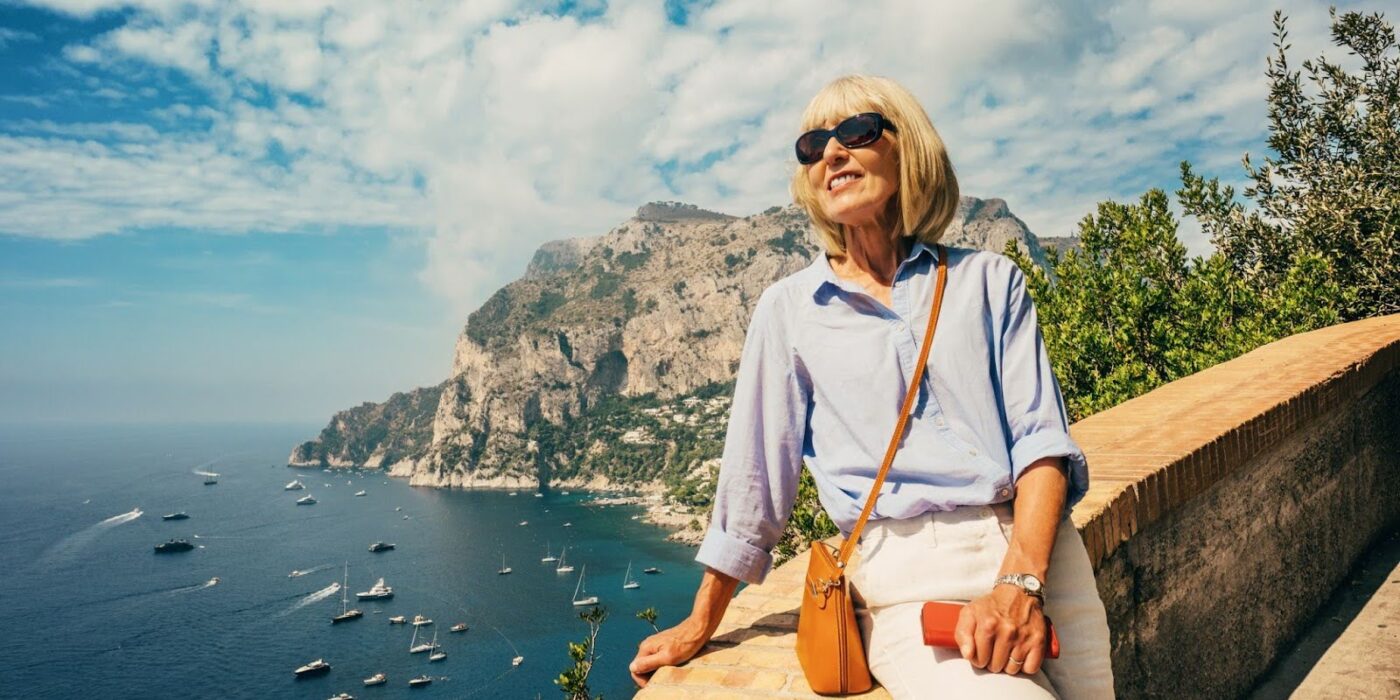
1002,628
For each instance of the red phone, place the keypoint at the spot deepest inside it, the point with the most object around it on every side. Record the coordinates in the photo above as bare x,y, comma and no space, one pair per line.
941,619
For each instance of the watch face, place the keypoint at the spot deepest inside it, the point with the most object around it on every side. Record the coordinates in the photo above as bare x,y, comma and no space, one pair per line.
1032,583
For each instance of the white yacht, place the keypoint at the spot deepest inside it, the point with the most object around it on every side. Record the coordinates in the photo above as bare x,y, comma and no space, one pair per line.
504,569
315,668
420,681
419,621
307,500
360,493
398,620
294,485
548,557
628,582
459,627
377,679
517,661
587,600
378,591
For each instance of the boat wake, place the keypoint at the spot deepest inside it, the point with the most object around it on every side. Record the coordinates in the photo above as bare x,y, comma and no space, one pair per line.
201,472
198,586
320,595
302,572
74,543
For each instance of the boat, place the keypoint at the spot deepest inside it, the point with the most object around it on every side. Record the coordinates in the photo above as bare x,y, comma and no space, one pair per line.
398,508
517,661
315,668
346,614
563,567
548,555
459,627
589,600
628,582
419,621
523,523
378,591
651,570
342,696
174,545
360,493
381,546
210,481
563,493
212,582
398,620
515,493
294,485
307,500
420,681
568,524
437,654
504,569
175,516
415,648
377,679
539,494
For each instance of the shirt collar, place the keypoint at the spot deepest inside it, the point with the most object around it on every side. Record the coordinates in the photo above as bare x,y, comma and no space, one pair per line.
821,275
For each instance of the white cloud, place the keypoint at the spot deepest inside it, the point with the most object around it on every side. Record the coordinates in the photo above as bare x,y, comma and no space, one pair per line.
522,126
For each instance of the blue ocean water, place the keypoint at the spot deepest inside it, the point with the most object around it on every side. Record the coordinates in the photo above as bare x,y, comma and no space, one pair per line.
88,609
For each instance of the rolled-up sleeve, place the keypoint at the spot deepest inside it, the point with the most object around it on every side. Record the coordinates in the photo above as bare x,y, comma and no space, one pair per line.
1034,409
762,451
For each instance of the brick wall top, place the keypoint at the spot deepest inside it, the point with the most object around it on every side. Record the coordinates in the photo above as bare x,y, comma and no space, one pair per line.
1146,457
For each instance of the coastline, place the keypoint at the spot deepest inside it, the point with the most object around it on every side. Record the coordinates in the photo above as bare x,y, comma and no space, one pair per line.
681,523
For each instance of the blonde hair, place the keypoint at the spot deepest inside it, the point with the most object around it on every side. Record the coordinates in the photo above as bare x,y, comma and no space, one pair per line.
928,187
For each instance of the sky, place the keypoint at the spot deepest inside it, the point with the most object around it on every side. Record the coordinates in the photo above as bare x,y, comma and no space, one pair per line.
270,210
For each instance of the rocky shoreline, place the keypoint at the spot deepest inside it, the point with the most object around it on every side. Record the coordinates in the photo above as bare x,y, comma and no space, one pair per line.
682,524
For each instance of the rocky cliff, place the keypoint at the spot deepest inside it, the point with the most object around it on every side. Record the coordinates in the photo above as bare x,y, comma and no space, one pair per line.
610,360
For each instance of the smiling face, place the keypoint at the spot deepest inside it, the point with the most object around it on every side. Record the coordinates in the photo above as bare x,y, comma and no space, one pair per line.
856,186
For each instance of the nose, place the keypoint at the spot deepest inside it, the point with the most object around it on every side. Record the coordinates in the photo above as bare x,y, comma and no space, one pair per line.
834,152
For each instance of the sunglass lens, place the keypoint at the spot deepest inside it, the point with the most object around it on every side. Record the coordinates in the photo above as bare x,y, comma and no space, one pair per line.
811,145
860,130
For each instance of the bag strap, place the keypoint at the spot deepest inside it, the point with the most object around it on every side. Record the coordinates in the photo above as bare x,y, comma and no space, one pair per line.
848,547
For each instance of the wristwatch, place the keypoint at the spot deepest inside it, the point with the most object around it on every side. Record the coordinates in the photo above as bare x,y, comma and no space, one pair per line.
1026,582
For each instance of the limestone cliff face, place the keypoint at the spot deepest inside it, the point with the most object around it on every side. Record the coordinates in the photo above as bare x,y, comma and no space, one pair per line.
656,307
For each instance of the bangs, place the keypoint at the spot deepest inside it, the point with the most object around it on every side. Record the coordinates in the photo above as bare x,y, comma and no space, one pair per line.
840,99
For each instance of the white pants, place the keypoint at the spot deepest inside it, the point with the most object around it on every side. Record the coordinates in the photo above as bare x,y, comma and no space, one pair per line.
954,556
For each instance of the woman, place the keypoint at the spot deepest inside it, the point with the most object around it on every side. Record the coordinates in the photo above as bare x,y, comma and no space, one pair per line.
975,507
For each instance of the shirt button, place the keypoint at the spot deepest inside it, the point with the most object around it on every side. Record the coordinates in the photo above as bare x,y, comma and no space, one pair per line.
1004,493
902,328
972,452
938,421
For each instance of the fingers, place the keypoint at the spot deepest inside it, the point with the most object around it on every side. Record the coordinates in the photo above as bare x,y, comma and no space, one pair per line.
1002,645
963,633
1034,656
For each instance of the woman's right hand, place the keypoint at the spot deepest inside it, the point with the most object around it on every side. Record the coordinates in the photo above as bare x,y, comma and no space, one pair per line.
668,647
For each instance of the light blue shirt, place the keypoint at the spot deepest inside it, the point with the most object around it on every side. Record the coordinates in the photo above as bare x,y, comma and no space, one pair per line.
823,375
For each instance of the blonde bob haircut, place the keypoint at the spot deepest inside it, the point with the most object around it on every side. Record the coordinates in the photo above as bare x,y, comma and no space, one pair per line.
928,188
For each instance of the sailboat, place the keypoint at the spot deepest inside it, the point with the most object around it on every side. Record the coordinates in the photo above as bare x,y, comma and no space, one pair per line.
346,614
548,557
504,569
437,653
627,581
580,602
415,648
563,567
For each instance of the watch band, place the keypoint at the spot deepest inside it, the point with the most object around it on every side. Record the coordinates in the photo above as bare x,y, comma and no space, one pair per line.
1030,584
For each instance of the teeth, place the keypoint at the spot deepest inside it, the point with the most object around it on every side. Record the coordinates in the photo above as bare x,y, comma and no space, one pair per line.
841,180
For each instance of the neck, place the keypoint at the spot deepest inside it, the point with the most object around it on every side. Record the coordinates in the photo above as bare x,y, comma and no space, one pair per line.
871,251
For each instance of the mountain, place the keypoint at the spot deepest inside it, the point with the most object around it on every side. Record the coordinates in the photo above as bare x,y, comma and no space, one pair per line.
610,361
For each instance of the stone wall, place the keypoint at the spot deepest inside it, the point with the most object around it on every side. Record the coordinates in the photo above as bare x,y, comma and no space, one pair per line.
1223,509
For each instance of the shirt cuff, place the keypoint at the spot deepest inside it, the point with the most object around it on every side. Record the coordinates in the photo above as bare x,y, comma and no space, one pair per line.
734,557
1053,443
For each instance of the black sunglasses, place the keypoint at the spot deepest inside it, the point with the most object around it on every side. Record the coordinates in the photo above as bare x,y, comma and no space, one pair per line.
855,132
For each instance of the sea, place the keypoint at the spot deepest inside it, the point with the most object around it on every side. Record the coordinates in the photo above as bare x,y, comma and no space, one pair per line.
88,609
